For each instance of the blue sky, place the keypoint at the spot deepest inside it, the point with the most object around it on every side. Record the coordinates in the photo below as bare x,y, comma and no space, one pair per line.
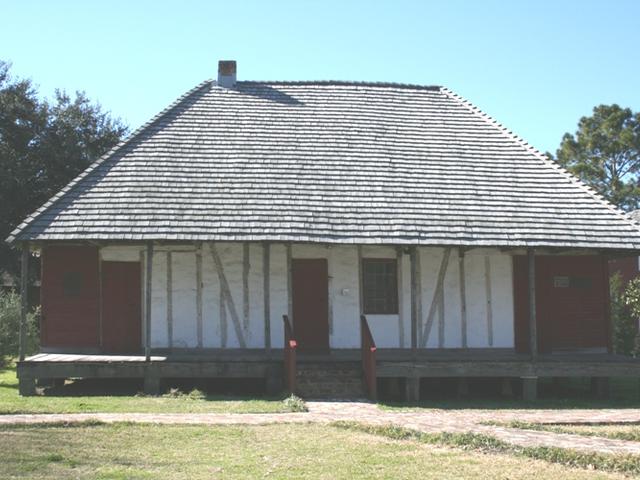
535,66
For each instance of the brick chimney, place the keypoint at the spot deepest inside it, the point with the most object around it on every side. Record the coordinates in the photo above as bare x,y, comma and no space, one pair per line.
227,73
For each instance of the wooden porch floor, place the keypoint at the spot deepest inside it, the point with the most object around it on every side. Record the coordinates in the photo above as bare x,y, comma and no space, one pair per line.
338,355
390,363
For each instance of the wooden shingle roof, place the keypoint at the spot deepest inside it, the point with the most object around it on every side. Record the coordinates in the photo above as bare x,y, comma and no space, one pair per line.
334,162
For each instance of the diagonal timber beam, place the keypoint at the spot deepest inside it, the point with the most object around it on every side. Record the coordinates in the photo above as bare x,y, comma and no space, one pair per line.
226,295
436,295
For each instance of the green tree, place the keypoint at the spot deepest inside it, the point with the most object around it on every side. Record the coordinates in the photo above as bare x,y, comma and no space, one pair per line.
605,154
43,145
625,306
10,313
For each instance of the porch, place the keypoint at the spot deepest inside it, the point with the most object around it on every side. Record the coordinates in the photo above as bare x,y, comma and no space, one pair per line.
403,366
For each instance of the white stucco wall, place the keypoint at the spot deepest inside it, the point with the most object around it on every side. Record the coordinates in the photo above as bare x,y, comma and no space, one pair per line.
389,331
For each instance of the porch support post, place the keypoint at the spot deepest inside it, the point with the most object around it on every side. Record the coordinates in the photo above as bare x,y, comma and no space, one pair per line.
24,295
147,312
533,328
529,389
412,389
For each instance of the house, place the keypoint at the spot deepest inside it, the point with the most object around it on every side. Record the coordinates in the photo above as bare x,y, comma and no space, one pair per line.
319,233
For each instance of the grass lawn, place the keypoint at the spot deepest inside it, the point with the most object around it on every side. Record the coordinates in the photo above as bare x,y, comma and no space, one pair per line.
617,431
126,451
77,401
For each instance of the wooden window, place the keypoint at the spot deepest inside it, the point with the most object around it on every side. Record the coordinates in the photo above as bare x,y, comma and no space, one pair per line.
380,286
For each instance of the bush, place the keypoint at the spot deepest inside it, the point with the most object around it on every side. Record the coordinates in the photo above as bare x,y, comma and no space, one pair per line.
194,394
10,306
295,404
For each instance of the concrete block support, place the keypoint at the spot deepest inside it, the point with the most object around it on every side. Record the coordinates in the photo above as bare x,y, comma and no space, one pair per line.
529,389
412,389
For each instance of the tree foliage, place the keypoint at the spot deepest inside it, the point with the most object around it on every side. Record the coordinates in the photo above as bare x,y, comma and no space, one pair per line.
605,154
625,307
10,312
43,145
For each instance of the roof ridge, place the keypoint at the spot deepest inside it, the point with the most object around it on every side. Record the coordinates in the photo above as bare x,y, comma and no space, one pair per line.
356,83
538,154
73,183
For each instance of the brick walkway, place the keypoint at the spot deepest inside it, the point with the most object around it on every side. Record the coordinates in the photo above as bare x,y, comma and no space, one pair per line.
426,421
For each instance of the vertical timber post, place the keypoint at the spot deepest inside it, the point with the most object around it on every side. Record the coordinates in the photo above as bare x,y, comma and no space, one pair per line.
399,261
266,264
607,306
27,383
289,284
414,300
147,320
360,280
199,325
530,383
24,295
533,327
463,297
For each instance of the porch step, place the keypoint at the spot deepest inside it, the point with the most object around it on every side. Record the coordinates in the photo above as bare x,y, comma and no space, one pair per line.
330,380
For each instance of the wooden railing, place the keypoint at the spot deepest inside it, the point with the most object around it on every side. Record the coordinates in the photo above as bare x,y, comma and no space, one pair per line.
368,347
290,345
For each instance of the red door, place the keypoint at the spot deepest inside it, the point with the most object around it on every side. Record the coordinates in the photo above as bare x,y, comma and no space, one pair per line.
70,307
121,307
310,299
571,302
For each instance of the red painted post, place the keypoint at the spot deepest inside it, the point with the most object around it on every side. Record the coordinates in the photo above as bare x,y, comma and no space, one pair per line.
290,345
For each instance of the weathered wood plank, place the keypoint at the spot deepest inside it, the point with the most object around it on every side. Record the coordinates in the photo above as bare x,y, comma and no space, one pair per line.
226,295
